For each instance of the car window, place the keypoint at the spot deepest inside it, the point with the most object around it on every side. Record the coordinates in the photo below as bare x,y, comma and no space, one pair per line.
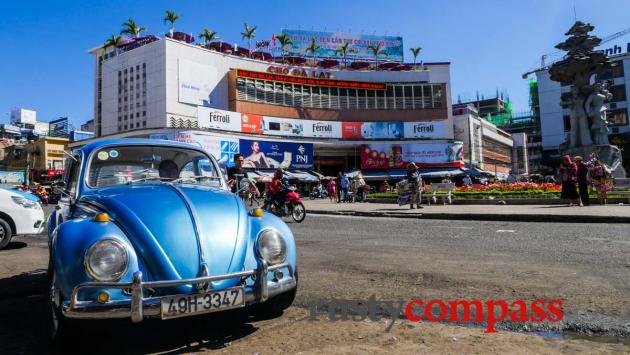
72,178
137,164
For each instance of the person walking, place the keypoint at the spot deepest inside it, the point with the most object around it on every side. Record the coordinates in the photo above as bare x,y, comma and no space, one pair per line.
568,176
338,184
582,180
345,184
467,181
360,186
332,190
601,181
414,182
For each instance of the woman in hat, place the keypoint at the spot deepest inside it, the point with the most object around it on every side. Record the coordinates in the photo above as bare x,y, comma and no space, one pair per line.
415,181
568,175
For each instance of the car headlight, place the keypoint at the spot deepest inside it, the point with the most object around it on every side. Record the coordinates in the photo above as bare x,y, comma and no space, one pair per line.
26,203
106,260
272,247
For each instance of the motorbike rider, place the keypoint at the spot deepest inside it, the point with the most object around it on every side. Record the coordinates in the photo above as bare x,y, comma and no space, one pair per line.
236,173
278,188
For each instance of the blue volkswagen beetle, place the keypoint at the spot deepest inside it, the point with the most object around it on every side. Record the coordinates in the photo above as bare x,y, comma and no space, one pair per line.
149,228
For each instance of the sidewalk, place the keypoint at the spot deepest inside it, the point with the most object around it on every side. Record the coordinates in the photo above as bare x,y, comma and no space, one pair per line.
519,213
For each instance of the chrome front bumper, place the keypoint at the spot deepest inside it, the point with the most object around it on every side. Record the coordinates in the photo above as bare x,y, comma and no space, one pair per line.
139,307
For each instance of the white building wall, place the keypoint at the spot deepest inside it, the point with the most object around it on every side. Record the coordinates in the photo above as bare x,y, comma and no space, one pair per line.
166,57
551,113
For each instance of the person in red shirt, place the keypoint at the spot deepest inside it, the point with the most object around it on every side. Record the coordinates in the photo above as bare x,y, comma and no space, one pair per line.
278,188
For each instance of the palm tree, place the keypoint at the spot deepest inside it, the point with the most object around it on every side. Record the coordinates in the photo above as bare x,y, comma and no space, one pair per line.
313,49
132,28
343,51
377,50
112,41
249,33
415,51
284,40
208,35
171,17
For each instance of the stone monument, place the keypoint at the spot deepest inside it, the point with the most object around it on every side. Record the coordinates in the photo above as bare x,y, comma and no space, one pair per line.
579,67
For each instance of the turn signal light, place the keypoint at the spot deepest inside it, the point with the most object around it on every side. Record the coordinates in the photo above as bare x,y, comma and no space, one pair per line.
103,297
257,212
101,217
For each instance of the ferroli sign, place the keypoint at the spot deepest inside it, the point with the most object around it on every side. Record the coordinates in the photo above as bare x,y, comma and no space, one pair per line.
324,129
428,129
218,119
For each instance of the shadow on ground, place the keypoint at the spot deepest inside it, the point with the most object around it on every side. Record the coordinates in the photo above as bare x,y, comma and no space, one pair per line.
13,245
24,326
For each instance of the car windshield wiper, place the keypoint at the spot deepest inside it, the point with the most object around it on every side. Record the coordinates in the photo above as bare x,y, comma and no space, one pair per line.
181,179
148,178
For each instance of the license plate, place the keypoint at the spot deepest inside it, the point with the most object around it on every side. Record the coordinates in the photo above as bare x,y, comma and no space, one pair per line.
185,305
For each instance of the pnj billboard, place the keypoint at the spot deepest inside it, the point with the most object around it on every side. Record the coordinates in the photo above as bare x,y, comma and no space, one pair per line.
330,41
270,155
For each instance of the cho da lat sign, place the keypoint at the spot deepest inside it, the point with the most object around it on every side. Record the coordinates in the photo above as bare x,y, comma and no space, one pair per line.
299,72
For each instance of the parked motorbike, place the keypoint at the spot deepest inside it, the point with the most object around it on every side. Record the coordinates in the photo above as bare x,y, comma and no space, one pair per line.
318,193
294,206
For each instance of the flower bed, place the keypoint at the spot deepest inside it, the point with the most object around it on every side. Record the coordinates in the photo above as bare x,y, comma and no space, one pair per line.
518,190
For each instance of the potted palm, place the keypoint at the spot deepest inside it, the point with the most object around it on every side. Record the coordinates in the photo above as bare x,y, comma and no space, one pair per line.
249,33
284,40
171,17
377,50
131,28
313,48
415,51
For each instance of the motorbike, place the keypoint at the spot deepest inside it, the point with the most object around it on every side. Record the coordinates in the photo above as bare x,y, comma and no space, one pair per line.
294,206
318,193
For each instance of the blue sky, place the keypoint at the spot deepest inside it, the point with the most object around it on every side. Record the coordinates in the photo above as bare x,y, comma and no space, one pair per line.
45,65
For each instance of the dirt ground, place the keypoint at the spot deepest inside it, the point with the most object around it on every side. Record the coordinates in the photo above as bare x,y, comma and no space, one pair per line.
346,258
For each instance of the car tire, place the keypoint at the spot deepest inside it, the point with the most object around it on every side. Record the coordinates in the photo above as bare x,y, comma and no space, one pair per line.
5,233
276,305
60,329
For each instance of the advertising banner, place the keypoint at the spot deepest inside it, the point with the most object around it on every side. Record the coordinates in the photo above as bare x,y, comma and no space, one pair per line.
196,81
372,130
251,124
218,119
324,129
428,129
269,155
58,127
11,177
276,126
330,41
397,156
223,149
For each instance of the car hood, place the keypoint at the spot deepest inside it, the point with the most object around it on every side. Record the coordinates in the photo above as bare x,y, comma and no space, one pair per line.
177,228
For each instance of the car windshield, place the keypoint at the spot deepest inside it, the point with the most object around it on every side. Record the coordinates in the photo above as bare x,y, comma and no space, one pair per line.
140,164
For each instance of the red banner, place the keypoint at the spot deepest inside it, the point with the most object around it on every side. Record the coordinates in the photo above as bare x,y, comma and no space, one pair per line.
309,81
251,123
351,130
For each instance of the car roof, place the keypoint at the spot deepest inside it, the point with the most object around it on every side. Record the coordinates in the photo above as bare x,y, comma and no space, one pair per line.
90,147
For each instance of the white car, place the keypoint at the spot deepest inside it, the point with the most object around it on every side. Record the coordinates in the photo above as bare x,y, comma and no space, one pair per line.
20,213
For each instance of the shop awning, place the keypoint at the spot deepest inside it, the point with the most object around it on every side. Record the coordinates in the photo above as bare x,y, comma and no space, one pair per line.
302,175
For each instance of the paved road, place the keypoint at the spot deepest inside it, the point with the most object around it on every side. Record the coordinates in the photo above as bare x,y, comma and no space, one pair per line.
394,259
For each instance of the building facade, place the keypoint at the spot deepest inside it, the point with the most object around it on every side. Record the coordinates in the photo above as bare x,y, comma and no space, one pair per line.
486,147
169,88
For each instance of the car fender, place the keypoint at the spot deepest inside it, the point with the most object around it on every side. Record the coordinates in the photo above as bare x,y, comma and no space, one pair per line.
70,242
270,221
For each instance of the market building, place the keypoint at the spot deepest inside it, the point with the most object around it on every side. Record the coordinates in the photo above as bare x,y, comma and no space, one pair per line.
304,113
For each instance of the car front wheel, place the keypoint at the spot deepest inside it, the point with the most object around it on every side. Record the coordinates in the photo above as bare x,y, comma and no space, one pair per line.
60,327
5,233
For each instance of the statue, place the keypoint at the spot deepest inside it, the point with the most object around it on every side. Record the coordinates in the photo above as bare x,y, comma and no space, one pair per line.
579,67
596,112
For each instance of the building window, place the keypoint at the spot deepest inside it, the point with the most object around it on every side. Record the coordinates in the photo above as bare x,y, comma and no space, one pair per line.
144,123
120,128
125,126
144,113
137,124
567,122
618,93
617,117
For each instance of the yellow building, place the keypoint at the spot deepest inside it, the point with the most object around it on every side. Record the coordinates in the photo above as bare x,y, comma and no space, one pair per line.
47,153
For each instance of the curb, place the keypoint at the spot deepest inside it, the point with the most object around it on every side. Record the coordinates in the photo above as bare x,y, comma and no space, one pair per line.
483,217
